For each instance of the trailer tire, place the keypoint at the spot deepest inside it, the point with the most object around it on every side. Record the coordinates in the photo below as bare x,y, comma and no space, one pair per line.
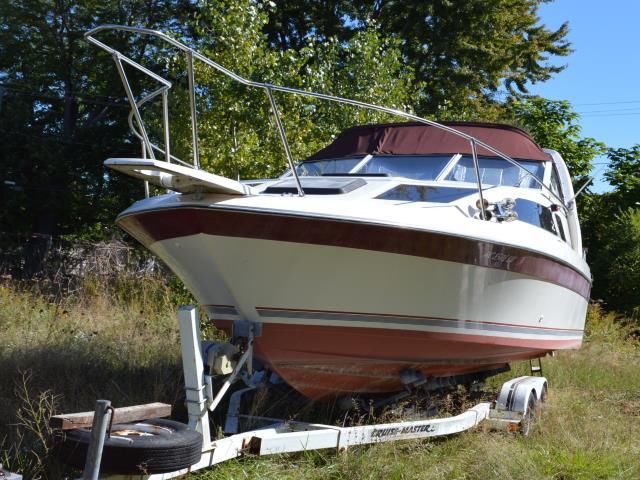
530,416
544,394
149,446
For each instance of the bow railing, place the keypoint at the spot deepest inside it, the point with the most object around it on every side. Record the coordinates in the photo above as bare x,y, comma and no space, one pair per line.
149,149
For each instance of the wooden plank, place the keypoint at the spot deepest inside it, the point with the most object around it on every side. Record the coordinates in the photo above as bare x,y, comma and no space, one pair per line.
121,415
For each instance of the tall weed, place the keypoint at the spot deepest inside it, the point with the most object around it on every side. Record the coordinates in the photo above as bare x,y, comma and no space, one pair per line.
29,449
115,339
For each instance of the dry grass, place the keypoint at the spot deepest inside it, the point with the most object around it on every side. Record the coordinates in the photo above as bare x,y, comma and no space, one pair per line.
108,342
119,341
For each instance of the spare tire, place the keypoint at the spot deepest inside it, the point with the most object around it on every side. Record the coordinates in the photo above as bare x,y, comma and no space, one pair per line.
149,446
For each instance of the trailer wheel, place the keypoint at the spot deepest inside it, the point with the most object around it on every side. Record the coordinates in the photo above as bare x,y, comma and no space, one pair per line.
529,417
149,446
544,394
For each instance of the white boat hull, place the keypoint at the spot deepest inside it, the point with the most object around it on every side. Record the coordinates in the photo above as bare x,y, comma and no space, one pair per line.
338,319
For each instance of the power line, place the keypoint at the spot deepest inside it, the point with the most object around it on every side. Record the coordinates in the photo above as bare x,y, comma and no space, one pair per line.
611,114
607,103
612,110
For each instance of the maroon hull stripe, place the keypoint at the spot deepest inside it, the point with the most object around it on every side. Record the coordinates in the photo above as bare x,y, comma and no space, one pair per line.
157,225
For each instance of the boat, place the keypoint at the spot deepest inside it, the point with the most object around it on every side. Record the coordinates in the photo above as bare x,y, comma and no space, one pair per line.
400,254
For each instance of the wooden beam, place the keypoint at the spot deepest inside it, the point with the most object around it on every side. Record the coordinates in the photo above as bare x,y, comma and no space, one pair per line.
121,415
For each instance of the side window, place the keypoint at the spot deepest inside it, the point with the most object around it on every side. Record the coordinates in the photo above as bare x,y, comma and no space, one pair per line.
561,222
560,227
546,219
555,183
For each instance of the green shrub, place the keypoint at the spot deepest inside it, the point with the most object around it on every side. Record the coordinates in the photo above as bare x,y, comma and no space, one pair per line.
620,263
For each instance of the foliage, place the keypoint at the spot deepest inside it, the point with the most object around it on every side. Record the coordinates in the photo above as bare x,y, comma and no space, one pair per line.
125,348
462,52
617,264
610,226
63,112
554,124
238,133
624,174
119,343
63,109
31,451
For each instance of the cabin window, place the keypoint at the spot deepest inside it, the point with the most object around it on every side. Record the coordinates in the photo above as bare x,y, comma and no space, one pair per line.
563,229
560,228
535,214
497,171
316,186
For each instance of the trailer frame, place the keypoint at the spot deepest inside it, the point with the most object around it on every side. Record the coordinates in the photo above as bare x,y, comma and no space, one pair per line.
515,409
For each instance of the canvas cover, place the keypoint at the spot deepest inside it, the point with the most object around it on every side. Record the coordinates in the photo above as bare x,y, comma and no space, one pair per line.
413,138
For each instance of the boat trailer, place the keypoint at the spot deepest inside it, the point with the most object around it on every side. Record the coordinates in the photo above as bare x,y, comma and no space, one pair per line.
514,410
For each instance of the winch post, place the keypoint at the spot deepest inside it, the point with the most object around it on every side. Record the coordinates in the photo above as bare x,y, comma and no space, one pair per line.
101,419
193,367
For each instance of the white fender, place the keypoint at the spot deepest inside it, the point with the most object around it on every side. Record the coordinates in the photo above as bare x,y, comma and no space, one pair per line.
514,395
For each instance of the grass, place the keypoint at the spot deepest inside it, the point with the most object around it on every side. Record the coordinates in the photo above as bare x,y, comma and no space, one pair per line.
116,341
119,341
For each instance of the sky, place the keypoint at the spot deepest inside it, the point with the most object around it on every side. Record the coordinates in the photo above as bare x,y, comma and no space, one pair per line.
602,77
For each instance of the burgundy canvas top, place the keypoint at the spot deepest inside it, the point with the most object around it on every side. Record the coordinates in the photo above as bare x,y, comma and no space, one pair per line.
420,139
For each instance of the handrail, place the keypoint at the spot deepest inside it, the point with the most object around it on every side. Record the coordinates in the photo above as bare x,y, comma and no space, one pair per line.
269,88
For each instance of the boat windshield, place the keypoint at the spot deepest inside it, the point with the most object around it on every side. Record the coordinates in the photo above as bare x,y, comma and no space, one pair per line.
418,167
493,171
497,171
312,168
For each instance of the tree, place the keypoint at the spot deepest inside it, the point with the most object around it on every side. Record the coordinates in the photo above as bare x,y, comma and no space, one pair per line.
59,93
462,53
238,134
64,111
624,175
553,124
61,116
613,229
617,264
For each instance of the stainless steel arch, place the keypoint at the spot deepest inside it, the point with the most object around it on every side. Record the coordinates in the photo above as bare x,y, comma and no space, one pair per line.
269,88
